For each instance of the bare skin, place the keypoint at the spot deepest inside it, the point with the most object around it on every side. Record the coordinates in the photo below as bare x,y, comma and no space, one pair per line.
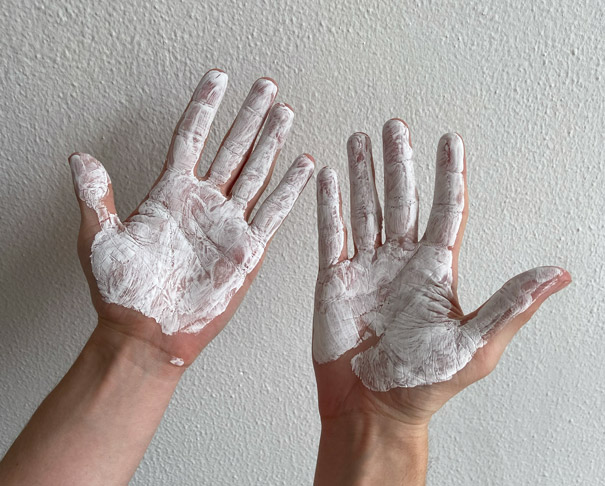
95,426
381,437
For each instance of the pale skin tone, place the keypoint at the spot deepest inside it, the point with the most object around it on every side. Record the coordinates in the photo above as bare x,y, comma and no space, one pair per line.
381,437
95,426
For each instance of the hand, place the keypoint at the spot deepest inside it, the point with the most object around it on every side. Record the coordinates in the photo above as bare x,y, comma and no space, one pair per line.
173,273
164,282
390,338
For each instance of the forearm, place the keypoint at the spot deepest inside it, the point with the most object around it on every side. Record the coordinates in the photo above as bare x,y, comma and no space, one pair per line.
95,426
368,451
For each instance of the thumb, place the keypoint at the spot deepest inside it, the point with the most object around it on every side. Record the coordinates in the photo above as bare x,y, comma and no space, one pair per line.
498,320
94,192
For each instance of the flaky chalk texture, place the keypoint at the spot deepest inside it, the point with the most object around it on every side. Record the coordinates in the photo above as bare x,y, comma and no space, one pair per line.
189,248
401,291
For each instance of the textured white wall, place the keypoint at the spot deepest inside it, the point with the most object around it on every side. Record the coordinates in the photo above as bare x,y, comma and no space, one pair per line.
522,84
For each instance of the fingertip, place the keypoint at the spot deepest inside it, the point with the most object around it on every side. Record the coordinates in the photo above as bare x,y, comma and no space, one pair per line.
565,277
398,120
82,157
450,152
211,87
91,180
396,126
268,78
266,85
358,147
358,138
397,140
78,161
561,276
283,113
219,76
327,182
547,273
450,136
451,139
305,162
75,165
327,177
216,73
543,282
310,157
72,155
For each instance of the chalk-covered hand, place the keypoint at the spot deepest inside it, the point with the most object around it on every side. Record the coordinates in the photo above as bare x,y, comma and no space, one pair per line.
186,256
388,319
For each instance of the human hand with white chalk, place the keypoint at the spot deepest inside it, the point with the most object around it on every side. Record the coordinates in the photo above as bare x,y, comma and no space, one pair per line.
391,343
164,282
176,269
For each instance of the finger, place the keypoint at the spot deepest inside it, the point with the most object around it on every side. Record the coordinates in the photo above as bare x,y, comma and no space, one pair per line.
514,298
278,204
400,195
449,201
239,140
366,215
192,129
332,231
257,171
93,189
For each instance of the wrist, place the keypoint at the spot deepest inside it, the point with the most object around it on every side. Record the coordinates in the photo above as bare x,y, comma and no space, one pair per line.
131,354
359,449
95,426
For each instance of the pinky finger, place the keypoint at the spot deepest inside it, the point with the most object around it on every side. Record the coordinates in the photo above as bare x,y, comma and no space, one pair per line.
278,205
93,189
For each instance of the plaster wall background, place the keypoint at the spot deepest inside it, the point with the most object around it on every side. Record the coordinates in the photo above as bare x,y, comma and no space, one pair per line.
523,82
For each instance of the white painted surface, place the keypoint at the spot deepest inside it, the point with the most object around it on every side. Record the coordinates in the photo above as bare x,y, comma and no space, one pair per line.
522,85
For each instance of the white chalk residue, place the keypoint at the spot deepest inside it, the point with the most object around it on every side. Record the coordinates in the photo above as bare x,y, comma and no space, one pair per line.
189,248
401,291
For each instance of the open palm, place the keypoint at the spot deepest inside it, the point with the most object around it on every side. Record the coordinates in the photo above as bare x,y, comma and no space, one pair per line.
388,319
187,254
